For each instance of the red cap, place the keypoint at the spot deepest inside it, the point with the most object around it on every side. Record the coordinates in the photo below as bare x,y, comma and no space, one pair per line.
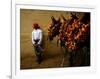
35,26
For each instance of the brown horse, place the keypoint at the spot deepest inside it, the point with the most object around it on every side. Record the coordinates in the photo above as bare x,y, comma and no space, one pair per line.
54,28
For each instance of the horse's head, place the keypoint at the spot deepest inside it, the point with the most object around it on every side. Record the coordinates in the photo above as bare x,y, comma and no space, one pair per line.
54,28
74,16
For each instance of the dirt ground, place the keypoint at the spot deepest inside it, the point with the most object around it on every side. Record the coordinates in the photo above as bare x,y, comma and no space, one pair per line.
53,56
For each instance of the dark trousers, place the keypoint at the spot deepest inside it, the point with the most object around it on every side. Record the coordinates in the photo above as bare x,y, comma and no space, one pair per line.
38,53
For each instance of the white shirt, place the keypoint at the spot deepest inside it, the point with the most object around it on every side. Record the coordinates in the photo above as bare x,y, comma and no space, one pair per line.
37,34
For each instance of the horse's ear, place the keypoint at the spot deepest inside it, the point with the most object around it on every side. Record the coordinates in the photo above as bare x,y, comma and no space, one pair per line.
76,16
72,14
63,18
53,19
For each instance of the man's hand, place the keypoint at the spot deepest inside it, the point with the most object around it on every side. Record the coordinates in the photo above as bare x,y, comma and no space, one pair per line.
35,45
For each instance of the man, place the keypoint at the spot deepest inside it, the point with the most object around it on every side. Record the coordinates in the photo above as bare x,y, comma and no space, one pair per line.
36,40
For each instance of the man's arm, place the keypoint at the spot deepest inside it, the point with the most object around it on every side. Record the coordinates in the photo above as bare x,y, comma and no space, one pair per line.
41,35
33,39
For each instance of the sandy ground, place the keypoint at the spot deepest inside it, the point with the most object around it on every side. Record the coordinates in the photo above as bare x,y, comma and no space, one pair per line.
53,56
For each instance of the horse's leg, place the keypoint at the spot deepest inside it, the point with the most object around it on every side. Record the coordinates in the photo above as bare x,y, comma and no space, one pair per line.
58,40
47,37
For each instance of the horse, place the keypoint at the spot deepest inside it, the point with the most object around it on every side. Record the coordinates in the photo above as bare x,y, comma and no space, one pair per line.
54,28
